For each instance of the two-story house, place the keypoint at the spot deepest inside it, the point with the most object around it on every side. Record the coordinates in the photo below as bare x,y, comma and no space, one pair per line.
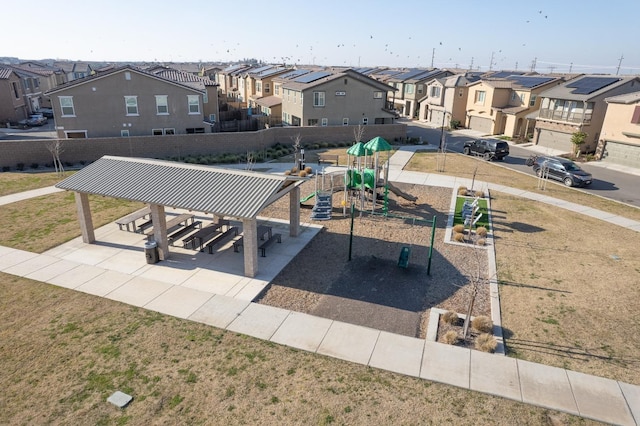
326,98
262,83
578,106
501,105
445,99
228,81
126,102
620,137
411,87
13,107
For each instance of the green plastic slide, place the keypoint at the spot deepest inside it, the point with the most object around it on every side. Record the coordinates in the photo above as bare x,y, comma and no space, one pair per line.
308,197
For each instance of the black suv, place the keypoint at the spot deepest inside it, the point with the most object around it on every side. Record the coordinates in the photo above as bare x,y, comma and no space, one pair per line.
487,149
561,169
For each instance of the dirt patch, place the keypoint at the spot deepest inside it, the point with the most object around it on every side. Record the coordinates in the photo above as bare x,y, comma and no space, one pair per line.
371,290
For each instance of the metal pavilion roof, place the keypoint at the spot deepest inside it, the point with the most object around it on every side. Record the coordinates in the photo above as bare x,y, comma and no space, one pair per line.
226,192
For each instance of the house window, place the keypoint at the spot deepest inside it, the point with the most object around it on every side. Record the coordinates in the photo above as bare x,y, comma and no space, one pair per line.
345,121
514,95
162,106
318,99
258,86
532,100
480,94
194,104
276,89
156,132
66,105
377,95
169,131
267,88
408,89
420,88
522,98
131,104
124,133
212,118
435,91
127,75
312,122
160,132
365,120
15,90
325,122
192,130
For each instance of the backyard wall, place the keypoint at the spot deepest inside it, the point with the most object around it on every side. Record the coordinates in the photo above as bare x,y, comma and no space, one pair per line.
28,152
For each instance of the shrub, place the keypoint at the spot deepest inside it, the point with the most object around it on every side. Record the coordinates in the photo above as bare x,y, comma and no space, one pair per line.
481,231
482,323
485,343
481,241
20,166
450,337
287,172
309,170
294,170
324,145
6,168
458,237
462,190
449,317
458,228
454,124
302,173
34,165
479,193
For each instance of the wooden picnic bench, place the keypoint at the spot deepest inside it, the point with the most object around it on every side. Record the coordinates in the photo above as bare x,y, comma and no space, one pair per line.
263,246
329,158
183,231
131,218
222,238
204,234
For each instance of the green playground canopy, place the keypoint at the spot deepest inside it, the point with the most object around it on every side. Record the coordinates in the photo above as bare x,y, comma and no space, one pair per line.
358,150
378,144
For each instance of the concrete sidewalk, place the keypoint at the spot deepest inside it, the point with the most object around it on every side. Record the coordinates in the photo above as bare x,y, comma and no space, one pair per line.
211,289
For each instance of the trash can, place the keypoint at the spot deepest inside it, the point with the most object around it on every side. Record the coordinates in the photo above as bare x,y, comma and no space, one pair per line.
151,252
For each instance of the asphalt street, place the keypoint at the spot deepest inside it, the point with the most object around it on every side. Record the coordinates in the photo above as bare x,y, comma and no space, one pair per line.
607,182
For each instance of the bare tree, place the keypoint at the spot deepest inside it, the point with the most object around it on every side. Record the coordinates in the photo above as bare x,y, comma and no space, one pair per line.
478,278
55,148
358,133
251,160
298,152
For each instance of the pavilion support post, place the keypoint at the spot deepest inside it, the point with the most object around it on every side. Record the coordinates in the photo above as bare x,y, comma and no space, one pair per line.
84,216
294,212
217,218
160,230
250,238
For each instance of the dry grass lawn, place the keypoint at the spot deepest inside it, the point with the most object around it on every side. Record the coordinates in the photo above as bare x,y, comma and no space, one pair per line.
14,182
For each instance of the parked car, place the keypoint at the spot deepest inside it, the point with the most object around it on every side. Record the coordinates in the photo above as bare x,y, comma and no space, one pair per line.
488,149
561,169
37,120
47,112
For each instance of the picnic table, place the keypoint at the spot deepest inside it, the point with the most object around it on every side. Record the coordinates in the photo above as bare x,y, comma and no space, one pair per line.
203,235
130,219
262,231
171,223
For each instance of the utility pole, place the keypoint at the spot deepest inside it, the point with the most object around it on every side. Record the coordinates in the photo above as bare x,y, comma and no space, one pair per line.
570,67
619,63
433,55
491,62
516,66
551,68
471,65
533,64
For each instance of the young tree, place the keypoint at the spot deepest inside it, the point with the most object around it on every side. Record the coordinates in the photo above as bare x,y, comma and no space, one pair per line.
358,133
55,148
577,139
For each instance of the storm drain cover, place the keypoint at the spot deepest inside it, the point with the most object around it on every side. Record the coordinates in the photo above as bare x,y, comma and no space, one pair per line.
120,399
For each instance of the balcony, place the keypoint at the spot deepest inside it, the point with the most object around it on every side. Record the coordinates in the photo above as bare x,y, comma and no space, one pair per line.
566,116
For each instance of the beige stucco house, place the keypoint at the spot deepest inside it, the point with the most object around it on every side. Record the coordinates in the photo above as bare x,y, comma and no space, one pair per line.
126,102
327,98
445,99
13,107
411,87
620,137
504,106
578,106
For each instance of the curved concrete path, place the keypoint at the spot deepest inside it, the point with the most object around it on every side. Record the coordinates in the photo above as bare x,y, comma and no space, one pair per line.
213,294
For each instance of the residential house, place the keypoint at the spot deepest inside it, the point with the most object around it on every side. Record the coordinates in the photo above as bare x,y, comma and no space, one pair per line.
228,81
272,105
208,87
34,84
620,136
578,106
13,107
75,70
411,87
504,105
326,98
262,84
445,99
247,83
126,102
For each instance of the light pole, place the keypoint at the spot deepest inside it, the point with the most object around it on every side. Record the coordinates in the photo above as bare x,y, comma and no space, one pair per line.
444,117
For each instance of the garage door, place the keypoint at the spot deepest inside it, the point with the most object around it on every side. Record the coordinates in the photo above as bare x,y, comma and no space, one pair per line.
555,140
436,118
481,124
622,153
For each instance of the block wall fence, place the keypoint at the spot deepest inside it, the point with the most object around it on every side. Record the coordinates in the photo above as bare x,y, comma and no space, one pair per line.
75,151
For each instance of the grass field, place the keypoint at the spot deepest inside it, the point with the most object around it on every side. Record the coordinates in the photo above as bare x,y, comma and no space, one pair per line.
482,209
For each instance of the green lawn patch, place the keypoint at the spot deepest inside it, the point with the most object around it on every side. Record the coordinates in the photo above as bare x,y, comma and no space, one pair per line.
482,208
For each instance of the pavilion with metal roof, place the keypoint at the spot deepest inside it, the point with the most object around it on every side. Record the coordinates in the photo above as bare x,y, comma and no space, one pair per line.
235,194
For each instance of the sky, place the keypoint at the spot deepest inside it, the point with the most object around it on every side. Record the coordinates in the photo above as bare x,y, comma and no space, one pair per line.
586,36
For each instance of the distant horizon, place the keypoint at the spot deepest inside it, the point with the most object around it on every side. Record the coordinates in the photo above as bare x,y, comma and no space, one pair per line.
558,37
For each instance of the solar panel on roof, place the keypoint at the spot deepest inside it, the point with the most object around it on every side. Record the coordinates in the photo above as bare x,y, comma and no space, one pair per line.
529,81
504,74
308,78
587,85
295,73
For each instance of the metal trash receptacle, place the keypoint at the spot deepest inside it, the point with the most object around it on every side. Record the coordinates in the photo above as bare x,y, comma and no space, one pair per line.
151,252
